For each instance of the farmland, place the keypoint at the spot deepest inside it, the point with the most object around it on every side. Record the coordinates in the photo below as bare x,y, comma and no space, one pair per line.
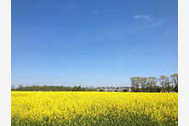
93,109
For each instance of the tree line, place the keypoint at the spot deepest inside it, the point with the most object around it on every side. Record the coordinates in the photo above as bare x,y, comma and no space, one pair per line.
138,84
51,88
153,84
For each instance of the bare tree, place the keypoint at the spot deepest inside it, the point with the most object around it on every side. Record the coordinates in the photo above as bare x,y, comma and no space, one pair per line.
174,80
151,82
143,82
165,83
135,83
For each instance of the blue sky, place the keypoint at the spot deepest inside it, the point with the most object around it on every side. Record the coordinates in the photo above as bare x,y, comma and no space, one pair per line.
92,42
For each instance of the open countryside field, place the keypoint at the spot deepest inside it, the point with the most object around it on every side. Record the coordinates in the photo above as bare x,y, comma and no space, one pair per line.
93,109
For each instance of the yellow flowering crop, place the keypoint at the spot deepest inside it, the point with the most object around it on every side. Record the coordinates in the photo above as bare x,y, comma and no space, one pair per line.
94,109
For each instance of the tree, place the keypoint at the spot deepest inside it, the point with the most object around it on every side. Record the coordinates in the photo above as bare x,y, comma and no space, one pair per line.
151,83
174,80
143,81
165,83
134,83
138,83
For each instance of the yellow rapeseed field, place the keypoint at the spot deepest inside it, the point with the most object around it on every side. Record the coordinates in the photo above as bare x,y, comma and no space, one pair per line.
93,109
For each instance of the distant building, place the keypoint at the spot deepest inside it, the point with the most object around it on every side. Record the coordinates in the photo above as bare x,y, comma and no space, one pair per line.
114,89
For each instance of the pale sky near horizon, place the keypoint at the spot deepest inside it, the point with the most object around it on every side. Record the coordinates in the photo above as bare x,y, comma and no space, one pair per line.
93,43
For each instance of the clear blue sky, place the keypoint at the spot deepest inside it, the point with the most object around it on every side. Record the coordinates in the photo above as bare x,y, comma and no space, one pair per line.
92,42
